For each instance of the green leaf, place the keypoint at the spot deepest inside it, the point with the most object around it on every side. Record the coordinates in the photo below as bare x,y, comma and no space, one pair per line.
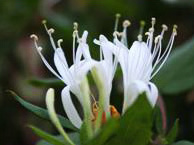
50,82
171,136
41,112
73,136
84,137
177,74
46,136
107,131
183,142
135,124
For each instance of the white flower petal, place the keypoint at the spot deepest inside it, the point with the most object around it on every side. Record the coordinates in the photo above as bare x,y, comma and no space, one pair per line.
80,70
134,89
108,55
138,58
120,44
70,108
153,93
106,81
83,48
61,65
49,67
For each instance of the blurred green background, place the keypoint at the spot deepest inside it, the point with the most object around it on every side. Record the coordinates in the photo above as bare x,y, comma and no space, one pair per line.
20,62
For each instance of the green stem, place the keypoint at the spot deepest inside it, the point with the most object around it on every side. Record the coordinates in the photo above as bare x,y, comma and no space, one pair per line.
85,92
101,90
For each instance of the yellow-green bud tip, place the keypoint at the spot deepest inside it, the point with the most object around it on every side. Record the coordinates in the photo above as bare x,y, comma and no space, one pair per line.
142,23
118,15
44,21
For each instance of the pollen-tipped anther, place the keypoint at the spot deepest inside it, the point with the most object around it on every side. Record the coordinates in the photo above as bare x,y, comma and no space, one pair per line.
175,29
126,23
44,22
59,42
164,27
140,36
118,15
153,21
33,36
51,30
75,25
157,38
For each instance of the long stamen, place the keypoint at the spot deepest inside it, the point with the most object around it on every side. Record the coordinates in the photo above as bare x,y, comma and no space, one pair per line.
126,24
39,49
159,41
156,51
117,21
35,38
75,34
140,35
59,42
50,31
169,47
151,31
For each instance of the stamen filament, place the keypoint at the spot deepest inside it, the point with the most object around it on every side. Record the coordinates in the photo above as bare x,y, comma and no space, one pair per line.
167,51
117,21
126,24
140,35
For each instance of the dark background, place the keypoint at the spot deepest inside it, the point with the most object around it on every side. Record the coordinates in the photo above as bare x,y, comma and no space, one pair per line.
19,61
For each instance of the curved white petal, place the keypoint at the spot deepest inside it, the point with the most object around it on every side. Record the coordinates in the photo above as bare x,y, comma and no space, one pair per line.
105,78
119,50
61,65
49,67
80,70
83,48
108,56
70,108
137,87
120,44
153,93
138,62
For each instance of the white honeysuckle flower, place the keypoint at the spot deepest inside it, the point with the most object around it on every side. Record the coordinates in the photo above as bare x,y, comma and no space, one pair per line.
141,62
139,65
105,68
71,76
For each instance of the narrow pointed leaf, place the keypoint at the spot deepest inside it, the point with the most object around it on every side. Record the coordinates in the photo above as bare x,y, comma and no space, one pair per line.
46,136
49,82
41,112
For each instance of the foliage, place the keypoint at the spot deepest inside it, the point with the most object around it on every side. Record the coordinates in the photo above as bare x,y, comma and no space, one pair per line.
134,126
